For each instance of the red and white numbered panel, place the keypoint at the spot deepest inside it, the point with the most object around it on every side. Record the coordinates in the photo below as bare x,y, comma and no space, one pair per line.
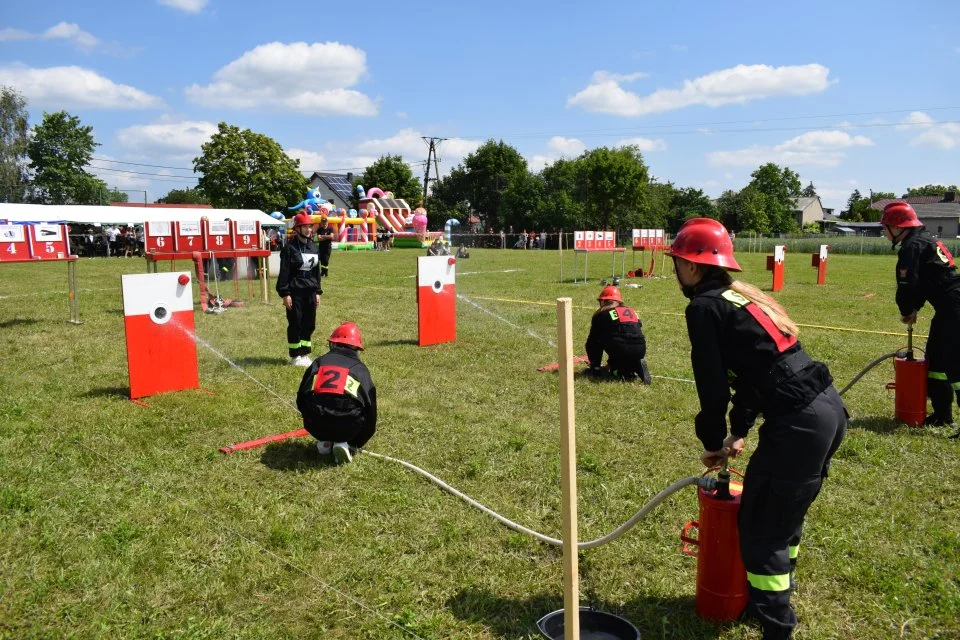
188,236
218,236
48,241
160,237
13,243
246,234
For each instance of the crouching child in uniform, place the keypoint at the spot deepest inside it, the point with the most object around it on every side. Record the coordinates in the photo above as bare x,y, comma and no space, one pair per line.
337,397
616,329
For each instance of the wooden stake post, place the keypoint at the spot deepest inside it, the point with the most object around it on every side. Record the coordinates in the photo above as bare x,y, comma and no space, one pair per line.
568,471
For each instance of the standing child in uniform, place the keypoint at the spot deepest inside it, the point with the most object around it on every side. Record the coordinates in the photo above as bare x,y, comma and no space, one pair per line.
742,339
337,397
298,283
926,273
616,329
324,244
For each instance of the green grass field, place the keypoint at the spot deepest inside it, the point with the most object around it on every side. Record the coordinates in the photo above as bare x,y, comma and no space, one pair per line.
119,521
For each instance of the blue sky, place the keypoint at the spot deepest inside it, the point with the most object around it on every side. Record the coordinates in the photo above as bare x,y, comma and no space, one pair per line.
848,94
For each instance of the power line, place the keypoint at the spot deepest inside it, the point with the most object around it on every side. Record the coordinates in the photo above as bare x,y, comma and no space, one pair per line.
612,131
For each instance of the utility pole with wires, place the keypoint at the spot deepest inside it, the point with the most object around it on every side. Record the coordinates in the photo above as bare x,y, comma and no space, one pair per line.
432,153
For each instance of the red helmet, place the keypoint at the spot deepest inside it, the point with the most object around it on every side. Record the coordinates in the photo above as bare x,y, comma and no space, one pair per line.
347,334
301,219
704,241
899,214
610,293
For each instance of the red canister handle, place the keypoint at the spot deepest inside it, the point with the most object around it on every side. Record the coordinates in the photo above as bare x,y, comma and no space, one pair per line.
687,540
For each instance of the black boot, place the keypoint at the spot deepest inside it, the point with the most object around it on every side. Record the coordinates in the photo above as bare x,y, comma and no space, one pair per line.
645,372
941,399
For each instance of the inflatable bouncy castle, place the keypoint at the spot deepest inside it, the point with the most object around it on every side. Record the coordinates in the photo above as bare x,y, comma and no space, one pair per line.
409,227
351,232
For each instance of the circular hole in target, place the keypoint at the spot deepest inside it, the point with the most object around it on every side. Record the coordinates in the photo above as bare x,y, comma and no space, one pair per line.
437,286
160,314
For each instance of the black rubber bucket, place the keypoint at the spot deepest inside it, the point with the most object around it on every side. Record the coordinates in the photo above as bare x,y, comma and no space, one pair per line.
594,625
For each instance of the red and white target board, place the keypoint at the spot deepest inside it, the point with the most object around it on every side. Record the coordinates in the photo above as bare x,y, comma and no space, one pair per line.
158,320
436,299
48,241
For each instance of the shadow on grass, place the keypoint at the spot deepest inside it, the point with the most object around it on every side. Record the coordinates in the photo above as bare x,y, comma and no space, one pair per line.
517,618
876,424
108,392
254,361
295,455
17,322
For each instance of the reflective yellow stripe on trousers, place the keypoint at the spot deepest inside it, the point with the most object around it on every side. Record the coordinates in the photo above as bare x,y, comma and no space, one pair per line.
780,582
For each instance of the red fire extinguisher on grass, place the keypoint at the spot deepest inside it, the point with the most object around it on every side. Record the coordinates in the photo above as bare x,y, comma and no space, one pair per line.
721,578
909,385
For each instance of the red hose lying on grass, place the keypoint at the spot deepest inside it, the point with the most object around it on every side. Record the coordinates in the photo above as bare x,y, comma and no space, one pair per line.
252,444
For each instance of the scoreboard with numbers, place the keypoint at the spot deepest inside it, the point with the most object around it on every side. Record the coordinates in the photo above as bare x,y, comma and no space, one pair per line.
30,242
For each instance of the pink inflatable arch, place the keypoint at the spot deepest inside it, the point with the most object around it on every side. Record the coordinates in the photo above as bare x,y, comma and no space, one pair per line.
376,192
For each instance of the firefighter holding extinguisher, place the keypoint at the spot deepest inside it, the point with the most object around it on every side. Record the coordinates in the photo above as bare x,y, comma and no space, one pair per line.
745,352
926,273
616,329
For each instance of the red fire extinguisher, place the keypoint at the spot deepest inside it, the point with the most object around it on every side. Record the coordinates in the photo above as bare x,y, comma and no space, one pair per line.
909,385
721,578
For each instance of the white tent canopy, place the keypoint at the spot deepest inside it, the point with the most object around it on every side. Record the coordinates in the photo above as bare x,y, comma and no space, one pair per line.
84,214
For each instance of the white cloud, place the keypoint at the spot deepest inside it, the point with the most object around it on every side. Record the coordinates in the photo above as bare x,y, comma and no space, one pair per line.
407,142
942,135
680,48
310,161
557,147
566,146
9,34
736,85
73,33
61,31
166,139
814,148
310,78
189,6
75,87
606,76
644,144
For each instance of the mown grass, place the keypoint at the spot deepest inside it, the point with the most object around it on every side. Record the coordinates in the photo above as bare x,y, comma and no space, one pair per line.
120,521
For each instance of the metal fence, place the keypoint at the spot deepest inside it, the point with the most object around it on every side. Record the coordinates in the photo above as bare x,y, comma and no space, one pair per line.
797,243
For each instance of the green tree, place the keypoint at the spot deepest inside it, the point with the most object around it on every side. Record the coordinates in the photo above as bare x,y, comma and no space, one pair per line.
391,173
613,184
852,212
14,118
931,190
247,170
745,210
60,149
115,195
562,207
184,196
809,191
779,186
692,203
481,180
